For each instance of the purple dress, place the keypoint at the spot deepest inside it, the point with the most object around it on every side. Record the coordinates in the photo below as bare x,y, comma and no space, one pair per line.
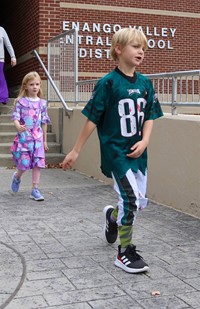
28,147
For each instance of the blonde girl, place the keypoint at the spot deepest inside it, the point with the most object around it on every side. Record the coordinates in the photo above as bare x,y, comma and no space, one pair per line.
30,143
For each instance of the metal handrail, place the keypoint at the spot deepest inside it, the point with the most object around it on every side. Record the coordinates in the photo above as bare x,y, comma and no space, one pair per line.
181,88
52,82
171,74
169,88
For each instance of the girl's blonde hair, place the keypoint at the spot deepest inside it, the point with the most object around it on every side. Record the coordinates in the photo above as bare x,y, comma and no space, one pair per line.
125,36
23,91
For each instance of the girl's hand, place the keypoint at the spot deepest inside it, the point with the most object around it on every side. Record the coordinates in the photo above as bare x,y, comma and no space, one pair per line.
46,148
137,150
21,128
69,160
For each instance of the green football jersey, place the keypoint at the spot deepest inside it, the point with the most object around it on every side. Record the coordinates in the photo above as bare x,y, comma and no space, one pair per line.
119,106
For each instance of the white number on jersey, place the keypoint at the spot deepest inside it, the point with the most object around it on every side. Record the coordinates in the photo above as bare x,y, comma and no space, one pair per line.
127,112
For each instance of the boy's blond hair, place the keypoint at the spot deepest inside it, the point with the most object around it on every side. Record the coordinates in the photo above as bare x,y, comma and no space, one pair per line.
23,92
125,36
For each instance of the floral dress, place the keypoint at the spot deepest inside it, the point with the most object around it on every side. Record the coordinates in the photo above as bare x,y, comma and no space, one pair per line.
28,147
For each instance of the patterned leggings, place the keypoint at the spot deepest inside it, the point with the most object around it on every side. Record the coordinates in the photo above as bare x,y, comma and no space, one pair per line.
131,190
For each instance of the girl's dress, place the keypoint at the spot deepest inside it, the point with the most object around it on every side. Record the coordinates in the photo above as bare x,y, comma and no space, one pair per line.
28,147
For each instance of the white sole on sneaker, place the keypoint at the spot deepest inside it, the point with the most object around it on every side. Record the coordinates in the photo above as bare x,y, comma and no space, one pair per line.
104,217
130,270
36,199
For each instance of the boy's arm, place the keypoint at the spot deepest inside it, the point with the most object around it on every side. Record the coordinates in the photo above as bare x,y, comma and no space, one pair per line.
146,132
139,147
71,157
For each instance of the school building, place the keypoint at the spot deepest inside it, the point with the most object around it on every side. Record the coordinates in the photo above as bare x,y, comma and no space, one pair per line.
172,28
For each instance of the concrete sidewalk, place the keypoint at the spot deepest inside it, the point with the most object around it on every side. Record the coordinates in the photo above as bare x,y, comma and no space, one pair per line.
53,254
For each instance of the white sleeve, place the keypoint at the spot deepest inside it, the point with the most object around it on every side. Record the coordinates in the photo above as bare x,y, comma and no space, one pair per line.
8,45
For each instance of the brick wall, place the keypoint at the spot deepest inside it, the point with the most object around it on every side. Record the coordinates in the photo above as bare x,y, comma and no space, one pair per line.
185,54
170,5
30,24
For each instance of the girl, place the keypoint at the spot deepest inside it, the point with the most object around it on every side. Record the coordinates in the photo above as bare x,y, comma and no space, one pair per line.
29,146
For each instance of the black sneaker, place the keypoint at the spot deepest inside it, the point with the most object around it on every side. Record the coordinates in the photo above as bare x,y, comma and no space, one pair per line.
131,261
110,229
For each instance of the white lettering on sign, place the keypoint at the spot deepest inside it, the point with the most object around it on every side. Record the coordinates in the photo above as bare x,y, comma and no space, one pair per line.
158,37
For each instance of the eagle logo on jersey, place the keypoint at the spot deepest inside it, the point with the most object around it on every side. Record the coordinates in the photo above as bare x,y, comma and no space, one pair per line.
155,98
131,91
92,95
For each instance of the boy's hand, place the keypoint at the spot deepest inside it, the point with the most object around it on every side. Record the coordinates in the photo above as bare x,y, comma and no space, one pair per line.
137,150
69,160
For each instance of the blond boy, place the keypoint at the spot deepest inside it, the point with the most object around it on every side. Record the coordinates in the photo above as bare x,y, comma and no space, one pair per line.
122,108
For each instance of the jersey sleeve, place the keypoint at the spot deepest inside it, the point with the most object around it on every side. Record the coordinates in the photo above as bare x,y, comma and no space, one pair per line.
96,106
153,108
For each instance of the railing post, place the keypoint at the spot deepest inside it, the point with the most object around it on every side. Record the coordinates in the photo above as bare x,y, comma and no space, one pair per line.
76,66
174,95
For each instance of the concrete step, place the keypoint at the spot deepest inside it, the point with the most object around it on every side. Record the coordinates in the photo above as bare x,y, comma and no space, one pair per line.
6,109
51,158
7,127
9,103
5,118
53,148
10,127
7,137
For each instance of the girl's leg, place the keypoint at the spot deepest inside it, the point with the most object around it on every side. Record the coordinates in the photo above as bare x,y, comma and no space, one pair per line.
36,176
35,194
16,179
19,173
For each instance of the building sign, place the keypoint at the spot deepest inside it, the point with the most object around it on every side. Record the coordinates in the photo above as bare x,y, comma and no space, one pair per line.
158,37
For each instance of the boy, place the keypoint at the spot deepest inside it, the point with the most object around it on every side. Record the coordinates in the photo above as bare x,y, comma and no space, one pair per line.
122,107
